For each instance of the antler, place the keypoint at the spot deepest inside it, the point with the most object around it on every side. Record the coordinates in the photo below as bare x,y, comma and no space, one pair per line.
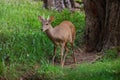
48,17
43,16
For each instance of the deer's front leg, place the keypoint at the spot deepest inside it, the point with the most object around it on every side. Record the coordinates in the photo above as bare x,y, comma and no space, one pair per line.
62,53
54,54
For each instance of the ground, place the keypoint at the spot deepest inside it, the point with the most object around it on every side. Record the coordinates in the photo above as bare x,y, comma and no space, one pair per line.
81,57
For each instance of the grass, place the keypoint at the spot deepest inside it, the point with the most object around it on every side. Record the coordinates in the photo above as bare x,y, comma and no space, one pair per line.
25,50
96,71
20,30
86,71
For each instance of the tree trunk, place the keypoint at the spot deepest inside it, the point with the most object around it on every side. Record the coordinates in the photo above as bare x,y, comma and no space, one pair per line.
58,4
47,4
102,24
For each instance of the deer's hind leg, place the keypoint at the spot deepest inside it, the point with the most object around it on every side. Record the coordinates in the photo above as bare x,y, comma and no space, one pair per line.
73,53
66,51
62,52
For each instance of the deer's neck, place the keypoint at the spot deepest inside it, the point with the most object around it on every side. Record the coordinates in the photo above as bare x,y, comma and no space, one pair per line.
50,33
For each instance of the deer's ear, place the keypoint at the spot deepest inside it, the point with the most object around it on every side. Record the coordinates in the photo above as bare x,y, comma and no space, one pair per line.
40,18
51,19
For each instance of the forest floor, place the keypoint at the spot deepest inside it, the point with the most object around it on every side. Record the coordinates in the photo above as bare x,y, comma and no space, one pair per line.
81,57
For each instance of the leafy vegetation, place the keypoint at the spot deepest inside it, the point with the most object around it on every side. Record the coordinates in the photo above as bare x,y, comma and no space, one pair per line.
25,49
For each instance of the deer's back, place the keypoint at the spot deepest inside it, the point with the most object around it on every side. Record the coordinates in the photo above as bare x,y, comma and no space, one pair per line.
65,31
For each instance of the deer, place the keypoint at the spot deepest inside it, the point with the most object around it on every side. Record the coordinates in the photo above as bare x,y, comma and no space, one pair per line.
60,35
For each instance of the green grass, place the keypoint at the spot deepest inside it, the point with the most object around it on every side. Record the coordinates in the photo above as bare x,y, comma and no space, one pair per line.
96,71
24,48
20,30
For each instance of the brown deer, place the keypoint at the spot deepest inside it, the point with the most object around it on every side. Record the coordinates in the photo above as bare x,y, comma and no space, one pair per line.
59,35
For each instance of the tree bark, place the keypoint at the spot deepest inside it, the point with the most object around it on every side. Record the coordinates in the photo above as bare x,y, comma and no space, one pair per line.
102,24
59,5
47,4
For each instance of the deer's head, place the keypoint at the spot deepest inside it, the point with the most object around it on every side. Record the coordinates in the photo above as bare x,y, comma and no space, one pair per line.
46,23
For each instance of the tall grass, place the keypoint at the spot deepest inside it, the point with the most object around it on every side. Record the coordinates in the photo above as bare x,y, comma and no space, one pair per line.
21,40
20,31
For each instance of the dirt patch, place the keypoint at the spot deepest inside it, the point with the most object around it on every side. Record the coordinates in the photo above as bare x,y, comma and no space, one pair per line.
81,57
